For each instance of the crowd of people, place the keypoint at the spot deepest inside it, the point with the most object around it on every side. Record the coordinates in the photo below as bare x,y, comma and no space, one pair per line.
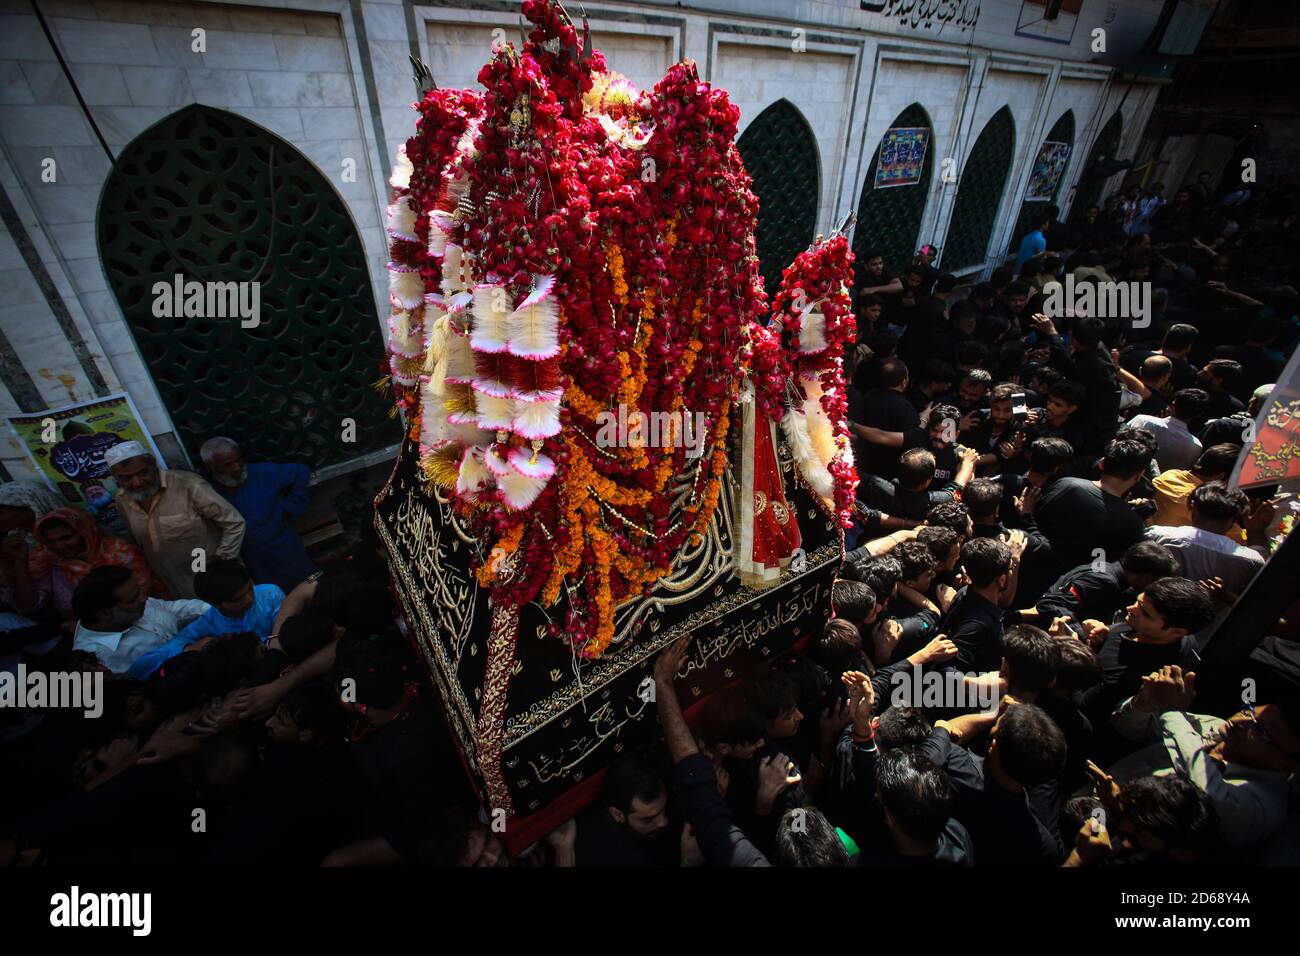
1046,535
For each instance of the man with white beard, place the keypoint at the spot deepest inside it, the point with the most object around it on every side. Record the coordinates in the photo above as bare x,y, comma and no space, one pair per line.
269,496
174,516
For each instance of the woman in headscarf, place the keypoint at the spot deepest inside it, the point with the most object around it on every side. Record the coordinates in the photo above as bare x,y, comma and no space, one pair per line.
21,504
71,546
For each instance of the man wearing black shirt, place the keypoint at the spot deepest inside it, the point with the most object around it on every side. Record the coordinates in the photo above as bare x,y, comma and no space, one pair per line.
974,622
963,318
1056,419
887,409
1010,817
1032,661
628,825
917,800
1176,346
926,318
971,395
936,378
1219,378
1094,370
1045,458
1099,591
918,622
876,280
1159,629
1174,221
1080,517
1154,373
899,801
1258,367
869,311
951,469
720,840
909,496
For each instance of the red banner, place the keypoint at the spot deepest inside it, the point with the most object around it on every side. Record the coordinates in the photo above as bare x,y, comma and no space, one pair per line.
1273,458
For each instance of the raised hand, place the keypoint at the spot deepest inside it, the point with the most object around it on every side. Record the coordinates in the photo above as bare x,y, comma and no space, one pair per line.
1095,632
1061,628
670,660
1217,590
169,741
834,719
937,651
1107,788
1169,688
1092,842
775,774
862,701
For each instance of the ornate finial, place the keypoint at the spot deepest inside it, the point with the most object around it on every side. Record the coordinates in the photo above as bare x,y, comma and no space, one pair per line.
847,224
585,56
422,76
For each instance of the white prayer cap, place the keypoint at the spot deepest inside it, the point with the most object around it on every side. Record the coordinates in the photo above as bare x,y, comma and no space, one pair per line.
123,451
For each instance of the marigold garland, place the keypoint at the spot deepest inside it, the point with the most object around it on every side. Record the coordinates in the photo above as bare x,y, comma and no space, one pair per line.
537,191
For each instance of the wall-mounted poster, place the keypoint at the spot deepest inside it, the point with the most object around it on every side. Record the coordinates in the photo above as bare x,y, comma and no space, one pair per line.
902,156
1035,22
67,447
1049,167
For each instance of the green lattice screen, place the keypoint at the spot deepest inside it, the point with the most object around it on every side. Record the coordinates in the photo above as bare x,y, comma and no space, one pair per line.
1062,132
980,184
890,219
212,197
780,153
1089,192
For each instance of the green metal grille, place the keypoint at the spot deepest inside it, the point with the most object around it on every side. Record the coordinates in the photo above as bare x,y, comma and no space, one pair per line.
1062,132
980,184
1107,144
780,153
208,195
890,219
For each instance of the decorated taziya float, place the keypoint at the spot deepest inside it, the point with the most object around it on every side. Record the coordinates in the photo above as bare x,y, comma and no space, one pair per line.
613,437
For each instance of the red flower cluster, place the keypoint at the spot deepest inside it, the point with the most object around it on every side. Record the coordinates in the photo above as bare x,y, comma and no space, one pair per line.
816,282
640,209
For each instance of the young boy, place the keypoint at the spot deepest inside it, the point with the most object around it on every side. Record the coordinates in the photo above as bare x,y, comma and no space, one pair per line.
1099,591
237,604
1159,629
974,622
916,613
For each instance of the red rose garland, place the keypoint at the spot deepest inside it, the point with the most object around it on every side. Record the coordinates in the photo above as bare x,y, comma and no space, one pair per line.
814,285
617,228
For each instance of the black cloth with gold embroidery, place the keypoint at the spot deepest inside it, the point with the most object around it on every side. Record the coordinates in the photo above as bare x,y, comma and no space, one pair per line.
564,719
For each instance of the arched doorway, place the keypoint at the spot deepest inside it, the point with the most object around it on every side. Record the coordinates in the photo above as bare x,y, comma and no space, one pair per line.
980,184
780,153
211,197
889,219
1062,131
1089,191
